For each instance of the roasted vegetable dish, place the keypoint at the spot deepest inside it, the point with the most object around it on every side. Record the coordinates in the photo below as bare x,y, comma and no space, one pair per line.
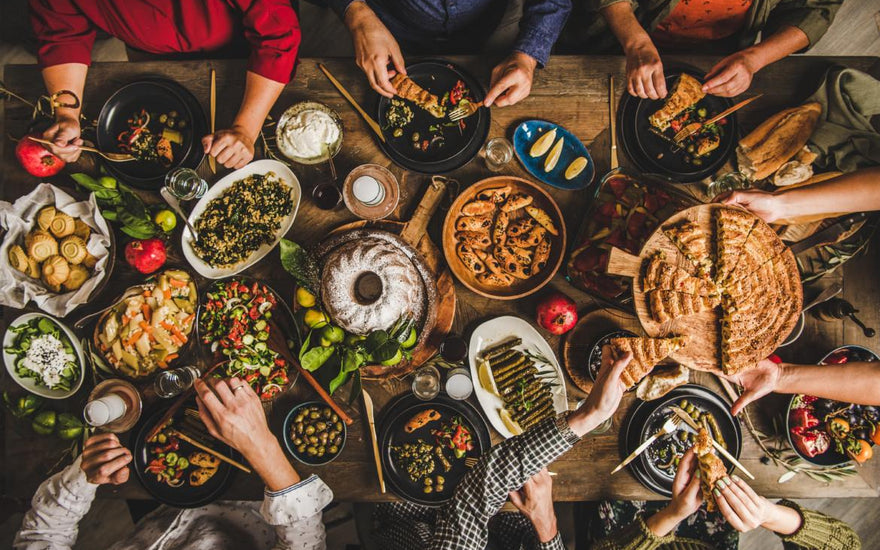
148,328
243,218
399,114
234,322
153,137
175,462
666,452
427,462
317,433
44,354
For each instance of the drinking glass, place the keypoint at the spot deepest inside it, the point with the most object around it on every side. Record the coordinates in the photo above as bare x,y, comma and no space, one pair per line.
458,383
170,383
730,181
426,383
185,184
498,152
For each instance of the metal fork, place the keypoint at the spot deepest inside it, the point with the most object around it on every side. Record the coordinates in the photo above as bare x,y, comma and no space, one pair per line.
464,111
694,127
672,423
112,157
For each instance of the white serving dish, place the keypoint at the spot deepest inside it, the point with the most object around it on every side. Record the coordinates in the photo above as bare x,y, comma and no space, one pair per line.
257,167
28,383
497,330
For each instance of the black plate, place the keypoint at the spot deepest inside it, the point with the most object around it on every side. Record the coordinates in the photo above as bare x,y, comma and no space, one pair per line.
154,95
646,418
642,146
184,496
438,77
397,413
830,457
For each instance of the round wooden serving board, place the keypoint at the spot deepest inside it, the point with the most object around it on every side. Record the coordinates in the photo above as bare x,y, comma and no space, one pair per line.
702,351
520,288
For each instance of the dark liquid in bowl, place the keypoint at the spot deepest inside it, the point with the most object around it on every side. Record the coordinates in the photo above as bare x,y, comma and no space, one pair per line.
453,349
326,196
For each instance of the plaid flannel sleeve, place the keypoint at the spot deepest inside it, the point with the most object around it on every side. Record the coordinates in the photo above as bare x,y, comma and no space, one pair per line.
462,524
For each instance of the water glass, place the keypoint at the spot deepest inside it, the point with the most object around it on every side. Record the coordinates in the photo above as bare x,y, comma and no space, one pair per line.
426,383
730,181
185,184
498,152
171,383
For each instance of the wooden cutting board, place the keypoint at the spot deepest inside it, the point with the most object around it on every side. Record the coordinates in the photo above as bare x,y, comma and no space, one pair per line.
703,329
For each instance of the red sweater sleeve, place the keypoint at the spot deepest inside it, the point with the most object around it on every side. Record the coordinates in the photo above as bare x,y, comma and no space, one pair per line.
272,29
64,34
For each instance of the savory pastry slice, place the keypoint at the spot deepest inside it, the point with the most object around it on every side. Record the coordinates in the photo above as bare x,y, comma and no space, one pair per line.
478,208
732,228
474,239
496,195
492,263
687,91
543,218
421,419
496,279
204,460
666,305
647,352
407,89
469,258
529,240
499,230
711,467
199,477
514,261
473,223
521,227
762,245
662,381
517,201
694,243
661,275
542,254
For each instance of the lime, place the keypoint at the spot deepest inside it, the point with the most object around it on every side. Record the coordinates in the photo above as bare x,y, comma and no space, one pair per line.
315,318
44,422
166,220
304,298
395,359
332,334
107,182
487,381
354,339
324,343
411,339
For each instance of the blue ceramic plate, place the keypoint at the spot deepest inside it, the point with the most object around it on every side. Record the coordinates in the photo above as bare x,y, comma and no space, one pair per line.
528,132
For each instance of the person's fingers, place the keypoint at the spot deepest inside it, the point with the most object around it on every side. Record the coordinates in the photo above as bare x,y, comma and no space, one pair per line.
225,156
220,144
100,438
516,499
648,85
223,390
207,141
630,86
105,445
107,469
747,492
120,476
241,162
750,506
514,93
108,455
746,397
505,81
733,499
718,82
209,399
380,70
620,365
207,419
640,89
683,474
728,512
659,81
397,61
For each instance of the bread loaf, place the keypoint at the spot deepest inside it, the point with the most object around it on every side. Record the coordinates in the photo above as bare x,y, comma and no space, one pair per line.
777,140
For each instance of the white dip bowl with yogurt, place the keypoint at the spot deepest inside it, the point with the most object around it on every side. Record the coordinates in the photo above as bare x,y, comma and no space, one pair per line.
309,133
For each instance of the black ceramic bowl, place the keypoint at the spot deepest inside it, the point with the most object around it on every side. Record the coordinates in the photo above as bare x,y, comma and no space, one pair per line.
292,448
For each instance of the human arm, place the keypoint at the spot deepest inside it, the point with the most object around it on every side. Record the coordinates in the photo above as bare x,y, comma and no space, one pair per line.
541,23
644,70
232,413
535,501
856,382
62,500
462,523
857,191
374,46
733,75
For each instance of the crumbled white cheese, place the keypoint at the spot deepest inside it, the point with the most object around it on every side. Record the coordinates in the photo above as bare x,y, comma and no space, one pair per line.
47,357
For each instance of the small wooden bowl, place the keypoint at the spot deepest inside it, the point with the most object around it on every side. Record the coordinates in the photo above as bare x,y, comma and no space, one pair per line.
520,288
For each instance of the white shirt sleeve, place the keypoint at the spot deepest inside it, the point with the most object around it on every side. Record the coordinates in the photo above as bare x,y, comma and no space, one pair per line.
56,510
296,513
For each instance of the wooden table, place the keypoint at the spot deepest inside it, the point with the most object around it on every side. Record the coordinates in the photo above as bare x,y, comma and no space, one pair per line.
572,91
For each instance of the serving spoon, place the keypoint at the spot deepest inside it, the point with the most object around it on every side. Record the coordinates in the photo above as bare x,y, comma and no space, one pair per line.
138,289
112,157
175,205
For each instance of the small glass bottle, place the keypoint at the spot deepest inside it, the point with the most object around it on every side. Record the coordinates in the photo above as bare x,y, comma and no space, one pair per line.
171,383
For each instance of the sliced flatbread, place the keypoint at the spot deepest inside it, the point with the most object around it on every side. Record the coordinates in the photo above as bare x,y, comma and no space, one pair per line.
694,243
687,91
666,305
647,352
711,468
733,228
408,89
762,245
662,275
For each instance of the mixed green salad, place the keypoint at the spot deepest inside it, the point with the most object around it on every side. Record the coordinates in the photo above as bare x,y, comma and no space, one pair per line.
44,354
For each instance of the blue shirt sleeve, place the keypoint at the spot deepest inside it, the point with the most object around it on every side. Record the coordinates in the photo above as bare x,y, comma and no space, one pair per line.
542,22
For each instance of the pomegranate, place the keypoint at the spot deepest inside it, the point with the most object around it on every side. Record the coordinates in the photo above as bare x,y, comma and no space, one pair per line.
557,313
146,255
36,159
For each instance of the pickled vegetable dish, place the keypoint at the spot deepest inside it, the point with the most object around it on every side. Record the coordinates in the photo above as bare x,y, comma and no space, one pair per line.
234,321
317,434
666,452
44,354
426,463
147,330
176,463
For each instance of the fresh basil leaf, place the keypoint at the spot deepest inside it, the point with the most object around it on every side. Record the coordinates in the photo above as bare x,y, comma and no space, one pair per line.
300,264
386,351
375,340
340,379
351,360
356,387
315,357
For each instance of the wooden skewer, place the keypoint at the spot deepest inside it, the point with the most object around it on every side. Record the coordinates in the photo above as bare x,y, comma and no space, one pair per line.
211,451
212,163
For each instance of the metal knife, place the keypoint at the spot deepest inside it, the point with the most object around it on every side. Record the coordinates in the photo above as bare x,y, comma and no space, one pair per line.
668,427
830,234
368,406
341,89
690,422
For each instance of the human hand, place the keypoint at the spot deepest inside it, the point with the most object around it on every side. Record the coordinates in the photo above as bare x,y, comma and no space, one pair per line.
605,396
105,460
743,509
374,48
756,383
65,138
732,75
232,148
686,494
232,412
766,206
511,80
535,501
644,71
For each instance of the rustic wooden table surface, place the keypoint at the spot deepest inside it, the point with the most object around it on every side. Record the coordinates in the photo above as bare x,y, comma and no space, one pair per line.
572,91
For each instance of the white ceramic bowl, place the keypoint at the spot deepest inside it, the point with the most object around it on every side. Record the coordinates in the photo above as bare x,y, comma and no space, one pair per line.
302,107
257,167
28,383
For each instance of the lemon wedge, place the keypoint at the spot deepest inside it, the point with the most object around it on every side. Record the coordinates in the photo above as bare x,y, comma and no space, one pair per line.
575,168
487,381
553,157
509,422
543,143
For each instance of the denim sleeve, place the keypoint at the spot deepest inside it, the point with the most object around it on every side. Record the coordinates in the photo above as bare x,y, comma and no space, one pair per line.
542,22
